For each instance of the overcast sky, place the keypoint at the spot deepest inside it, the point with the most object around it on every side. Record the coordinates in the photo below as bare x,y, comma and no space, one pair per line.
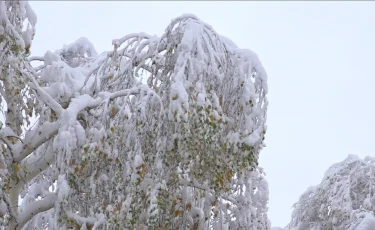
319,57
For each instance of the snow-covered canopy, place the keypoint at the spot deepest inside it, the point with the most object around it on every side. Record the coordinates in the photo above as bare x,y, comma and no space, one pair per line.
161,132
345,198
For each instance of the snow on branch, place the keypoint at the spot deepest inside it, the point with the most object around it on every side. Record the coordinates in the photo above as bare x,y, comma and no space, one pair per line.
345,198
34,208
161,132
35,138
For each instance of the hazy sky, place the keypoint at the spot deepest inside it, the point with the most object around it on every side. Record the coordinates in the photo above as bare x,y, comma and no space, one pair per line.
319,57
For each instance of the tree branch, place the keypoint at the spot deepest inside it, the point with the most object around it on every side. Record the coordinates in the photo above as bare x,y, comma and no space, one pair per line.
39,136
33,165
34,208
36,58
45,97
90,221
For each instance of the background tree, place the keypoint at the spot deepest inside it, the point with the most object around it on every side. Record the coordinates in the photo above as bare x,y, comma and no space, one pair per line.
160,133
343,200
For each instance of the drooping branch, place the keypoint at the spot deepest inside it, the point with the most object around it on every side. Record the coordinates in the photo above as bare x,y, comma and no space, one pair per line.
35,58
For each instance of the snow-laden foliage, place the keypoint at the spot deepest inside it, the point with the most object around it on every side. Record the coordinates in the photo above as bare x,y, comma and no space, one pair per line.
160,133
345,199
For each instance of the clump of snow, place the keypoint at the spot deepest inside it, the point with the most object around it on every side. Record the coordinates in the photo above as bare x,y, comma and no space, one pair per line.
367,223
63,80
3,208
31,15
2,31
81,46
80,133
228,42
28,35
179,104
50,57
138,161
253,138
338,166
63,188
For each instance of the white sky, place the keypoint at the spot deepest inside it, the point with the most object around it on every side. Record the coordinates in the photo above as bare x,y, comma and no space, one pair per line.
319,57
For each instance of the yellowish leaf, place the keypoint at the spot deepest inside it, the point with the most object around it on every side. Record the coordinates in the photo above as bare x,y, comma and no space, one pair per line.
221,182
114,111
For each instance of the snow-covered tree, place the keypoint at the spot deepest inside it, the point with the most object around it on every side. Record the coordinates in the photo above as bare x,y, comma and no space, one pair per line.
160,133
345,199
